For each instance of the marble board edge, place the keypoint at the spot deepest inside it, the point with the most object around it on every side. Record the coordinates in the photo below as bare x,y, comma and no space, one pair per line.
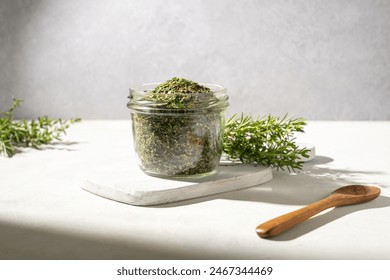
150,198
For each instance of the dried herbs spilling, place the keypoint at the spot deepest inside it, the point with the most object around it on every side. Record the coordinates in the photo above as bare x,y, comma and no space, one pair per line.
178,127
23,133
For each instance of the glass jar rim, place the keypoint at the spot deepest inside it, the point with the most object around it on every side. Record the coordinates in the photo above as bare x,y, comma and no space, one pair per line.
137,92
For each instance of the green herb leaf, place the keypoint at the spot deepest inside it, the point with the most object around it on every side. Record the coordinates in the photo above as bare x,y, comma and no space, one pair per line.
34,133
266,141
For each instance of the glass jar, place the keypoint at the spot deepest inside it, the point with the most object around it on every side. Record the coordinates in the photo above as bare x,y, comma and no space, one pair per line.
185,142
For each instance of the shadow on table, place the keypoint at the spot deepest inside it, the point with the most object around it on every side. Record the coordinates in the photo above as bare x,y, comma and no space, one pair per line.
313,183
30,242
60,146
18,241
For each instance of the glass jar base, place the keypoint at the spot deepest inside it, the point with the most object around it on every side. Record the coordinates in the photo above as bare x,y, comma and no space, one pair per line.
179,176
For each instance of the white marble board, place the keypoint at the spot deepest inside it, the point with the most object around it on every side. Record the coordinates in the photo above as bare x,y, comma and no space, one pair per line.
132,186
125,182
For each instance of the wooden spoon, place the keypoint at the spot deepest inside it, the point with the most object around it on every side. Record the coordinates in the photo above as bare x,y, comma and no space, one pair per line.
347,195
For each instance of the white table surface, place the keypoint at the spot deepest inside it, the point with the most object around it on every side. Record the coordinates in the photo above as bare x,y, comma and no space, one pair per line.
44,214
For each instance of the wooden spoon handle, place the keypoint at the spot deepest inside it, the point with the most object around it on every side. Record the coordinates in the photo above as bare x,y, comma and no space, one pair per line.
282,223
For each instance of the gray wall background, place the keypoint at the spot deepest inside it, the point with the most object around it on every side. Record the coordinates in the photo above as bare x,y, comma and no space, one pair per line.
322,60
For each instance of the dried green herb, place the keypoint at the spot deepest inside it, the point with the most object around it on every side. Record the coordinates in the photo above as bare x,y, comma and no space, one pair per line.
185,138
178,145
267,141
34,133
179,93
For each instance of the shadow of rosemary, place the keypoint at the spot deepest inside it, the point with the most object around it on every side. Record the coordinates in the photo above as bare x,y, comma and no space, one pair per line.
315,181
60,146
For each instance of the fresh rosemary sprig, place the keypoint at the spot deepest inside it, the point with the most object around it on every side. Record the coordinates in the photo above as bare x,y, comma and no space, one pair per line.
266,141
32,133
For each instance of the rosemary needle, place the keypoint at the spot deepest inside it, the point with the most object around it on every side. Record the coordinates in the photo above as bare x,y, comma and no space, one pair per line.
32,133
266,141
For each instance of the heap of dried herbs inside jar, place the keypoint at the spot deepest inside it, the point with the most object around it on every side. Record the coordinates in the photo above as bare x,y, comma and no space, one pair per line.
180,132
179,93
